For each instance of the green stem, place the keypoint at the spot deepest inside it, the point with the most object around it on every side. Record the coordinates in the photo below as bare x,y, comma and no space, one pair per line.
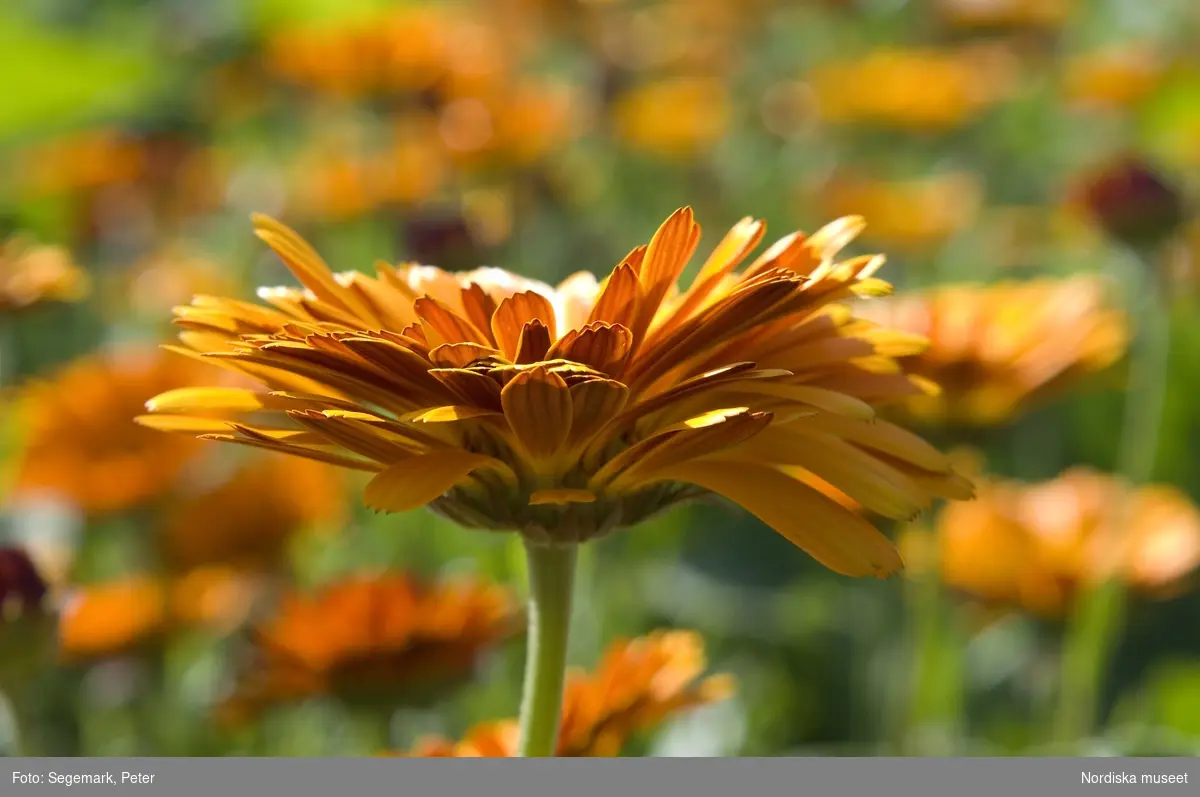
551,584
1095,627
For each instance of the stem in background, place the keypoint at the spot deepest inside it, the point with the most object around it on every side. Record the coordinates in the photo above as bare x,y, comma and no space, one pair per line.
933,713
551,584
1095,627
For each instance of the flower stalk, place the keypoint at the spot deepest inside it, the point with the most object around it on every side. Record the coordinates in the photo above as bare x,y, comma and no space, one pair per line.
551,586
1096,625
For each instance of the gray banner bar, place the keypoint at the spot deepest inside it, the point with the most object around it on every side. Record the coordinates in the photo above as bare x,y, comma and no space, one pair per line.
693,777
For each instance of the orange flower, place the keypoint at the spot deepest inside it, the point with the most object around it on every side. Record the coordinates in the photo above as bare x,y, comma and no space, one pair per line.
169,277
909,89
1035,546
1115,79
32,274
80,162
996,350
130,615
638,685
909,214
672,116
372,638
80,442
565,413
248,519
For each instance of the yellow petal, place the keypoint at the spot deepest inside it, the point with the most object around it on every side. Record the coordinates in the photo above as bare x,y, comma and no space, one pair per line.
835,537
563,496
308,267
602,346
830,401
621,298
452,413
187,400
416,481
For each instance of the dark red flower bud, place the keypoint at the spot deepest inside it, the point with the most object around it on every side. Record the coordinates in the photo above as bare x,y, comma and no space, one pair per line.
1134,204
441,239
22,589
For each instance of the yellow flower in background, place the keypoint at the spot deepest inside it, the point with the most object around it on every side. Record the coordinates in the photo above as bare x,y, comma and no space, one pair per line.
1005,14
80,444
918,89
371,638
565,413
1035,546
997,350
672,116
907,214
1113,79
31,274
248,519
130,615
639,684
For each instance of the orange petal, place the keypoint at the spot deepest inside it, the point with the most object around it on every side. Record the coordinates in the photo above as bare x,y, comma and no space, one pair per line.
602,346
835,537
620,300
537,405
514,313
418,480
533,343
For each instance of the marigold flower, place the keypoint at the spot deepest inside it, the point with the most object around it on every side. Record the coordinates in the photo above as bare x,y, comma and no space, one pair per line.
996,350
909,214
1113,78
638,685
565,413
1035,546
908,89
80,442
247,520
675,116
131,615
372,638
32,274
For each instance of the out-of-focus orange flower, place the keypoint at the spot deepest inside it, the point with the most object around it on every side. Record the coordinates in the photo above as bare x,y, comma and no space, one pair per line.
672,116
32,274
1113,79
405,50
674,35
1034,546
81,442
638,684
170,277
907,214
80,162
342,177
919,89
129,615
372,638
248,519
996,350
1005,14
511,126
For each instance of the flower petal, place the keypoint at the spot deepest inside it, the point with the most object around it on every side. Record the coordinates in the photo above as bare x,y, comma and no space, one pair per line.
835,537
514,313
563,496
416,481
537,405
